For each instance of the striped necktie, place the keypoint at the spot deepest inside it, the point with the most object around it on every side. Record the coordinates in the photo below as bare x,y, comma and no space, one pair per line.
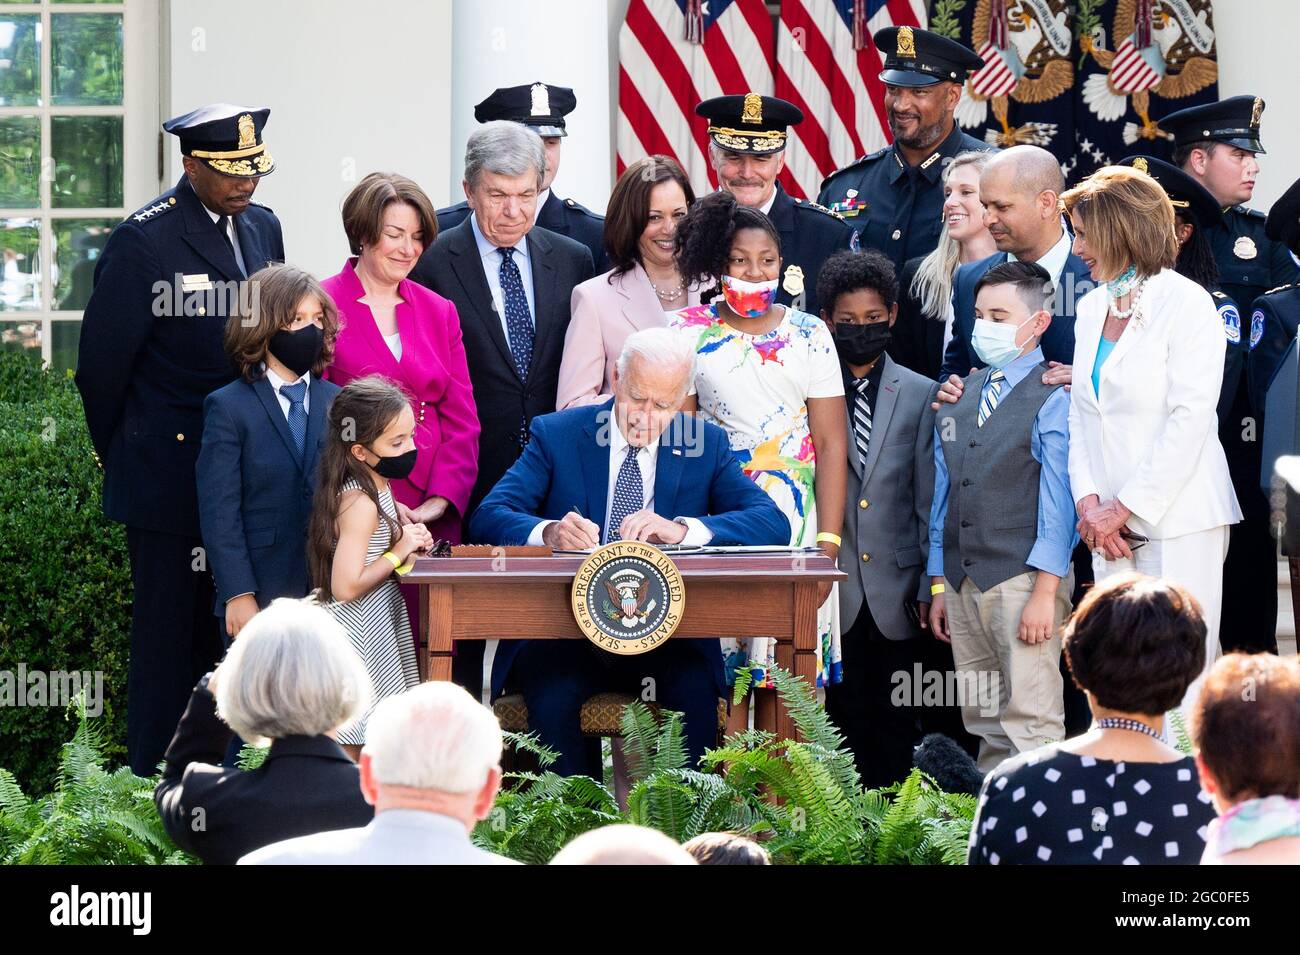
862,418
295,394
992,395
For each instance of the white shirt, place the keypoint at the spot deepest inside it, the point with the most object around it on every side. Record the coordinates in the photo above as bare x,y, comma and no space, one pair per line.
541,201
492,258
766,208
234,237
277,383
1053,260
646,457
394,343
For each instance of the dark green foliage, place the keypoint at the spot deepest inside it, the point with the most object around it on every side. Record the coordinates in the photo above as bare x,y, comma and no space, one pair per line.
65,594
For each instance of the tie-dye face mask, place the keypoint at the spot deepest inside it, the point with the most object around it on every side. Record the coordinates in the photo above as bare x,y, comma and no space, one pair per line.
748,299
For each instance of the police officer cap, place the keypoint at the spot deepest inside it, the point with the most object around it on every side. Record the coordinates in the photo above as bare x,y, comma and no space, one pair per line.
539,105
1234,121
1283,223
749,123
1191,200
226,138
916,57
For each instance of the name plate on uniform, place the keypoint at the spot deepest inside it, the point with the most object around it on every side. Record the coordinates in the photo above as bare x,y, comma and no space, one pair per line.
196,283
628,597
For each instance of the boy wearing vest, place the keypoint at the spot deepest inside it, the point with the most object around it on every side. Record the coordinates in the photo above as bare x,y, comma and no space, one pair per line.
1002,523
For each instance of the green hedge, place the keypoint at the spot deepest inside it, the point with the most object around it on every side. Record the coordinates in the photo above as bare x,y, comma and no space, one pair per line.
65,580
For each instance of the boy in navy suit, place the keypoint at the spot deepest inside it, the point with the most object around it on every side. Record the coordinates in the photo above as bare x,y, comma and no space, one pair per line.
261,437
645,472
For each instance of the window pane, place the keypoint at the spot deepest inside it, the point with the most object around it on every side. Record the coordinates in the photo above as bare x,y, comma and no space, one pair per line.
64,337
21,336
20,60
87,59
87,154
20,162
77,245
20,280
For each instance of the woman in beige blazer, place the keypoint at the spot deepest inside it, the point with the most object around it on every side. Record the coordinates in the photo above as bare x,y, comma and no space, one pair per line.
1145,457
649,200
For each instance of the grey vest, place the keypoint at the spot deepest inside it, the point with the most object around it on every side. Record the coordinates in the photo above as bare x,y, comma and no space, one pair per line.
992,519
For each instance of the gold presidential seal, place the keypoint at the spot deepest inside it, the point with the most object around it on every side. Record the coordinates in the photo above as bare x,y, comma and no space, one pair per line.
628,597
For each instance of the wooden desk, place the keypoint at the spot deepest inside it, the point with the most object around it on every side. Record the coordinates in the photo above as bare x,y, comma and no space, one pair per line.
527,598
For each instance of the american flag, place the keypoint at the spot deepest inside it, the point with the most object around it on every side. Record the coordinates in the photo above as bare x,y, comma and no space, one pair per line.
828,66
672,54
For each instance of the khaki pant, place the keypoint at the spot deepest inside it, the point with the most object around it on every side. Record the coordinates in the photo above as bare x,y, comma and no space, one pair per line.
988,653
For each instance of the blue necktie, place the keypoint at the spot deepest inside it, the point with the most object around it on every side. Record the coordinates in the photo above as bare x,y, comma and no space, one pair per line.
629,494
297,413
519,323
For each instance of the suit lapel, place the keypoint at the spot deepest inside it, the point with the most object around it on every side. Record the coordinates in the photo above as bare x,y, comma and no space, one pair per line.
202,236
669,462
315,423
250,243
266,394
595,463
1132,333
641,306
881,412
855,459
468,266
546,320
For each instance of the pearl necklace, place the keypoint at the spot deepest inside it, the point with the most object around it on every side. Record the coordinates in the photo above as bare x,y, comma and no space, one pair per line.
669,295
1134,299
1124,723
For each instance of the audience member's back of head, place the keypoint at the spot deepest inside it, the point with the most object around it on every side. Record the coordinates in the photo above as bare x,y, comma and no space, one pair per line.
726,848
623,845
292,672
434,736
1246,726
1136,643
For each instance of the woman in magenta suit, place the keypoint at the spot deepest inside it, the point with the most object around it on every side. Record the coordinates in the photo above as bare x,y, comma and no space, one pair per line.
648,202
396,328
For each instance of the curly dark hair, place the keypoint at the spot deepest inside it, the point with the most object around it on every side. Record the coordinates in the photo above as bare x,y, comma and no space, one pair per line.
1196,257
847,271
704,238
1136,643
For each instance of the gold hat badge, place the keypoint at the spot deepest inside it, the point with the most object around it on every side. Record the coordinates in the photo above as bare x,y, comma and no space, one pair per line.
752,111
1256,113
247,134
1140,165
906,43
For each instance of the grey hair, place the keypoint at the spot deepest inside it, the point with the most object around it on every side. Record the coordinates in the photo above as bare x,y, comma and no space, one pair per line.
291,672
661,348
504,148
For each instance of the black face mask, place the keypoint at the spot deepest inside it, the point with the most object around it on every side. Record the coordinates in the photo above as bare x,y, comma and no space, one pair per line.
298,350
862,344
397,466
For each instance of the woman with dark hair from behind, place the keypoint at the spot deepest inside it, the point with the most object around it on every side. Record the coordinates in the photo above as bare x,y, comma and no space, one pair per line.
1117,794
770,377
649,201
1246,730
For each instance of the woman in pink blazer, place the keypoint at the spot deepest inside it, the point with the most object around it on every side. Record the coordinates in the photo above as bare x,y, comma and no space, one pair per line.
394,327
648,202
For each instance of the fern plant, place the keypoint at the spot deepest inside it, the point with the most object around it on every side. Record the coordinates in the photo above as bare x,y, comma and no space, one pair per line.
92,816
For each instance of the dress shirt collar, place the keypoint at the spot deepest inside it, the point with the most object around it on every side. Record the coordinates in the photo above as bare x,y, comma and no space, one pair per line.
873,376
486,248
1015,371
419,819
277,382
1054,259
766,208
541,201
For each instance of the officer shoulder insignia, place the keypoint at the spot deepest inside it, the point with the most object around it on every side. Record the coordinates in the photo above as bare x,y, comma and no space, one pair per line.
1231,318
1256,327
809,204
579,207
1252,212
1279,288
868,157
154,210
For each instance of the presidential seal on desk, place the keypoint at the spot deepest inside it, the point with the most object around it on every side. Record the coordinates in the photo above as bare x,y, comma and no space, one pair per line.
628,597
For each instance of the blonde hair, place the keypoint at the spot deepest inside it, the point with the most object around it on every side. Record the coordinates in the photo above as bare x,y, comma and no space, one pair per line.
932,284
1129,220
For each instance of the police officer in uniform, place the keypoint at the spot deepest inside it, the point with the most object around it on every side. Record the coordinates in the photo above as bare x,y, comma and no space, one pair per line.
542,107
894,196
747,139
1217,144
147,360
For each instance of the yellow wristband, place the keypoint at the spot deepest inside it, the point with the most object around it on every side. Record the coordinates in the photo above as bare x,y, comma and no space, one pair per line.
826,537
393,559
405,568
936,589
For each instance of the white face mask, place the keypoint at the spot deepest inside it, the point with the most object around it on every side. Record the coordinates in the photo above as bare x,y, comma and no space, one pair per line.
995,342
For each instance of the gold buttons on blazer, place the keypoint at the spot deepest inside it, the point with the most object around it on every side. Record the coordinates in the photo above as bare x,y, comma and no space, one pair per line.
863,504
898,234
180,437
866,557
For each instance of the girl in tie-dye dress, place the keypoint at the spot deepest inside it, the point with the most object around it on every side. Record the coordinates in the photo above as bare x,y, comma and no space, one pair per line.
768,375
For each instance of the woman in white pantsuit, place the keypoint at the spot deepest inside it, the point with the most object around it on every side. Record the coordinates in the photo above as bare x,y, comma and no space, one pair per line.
1145,458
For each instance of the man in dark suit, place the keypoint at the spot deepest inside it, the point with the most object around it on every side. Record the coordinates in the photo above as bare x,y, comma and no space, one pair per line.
747,139
150,352
1019,189
675,481
542,108
511,284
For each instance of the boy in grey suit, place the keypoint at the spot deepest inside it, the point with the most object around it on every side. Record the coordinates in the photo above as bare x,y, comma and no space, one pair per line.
884,604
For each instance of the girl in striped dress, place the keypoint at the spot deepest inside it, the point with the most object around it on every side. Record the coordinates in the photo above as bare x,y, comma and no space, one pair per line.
356,547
